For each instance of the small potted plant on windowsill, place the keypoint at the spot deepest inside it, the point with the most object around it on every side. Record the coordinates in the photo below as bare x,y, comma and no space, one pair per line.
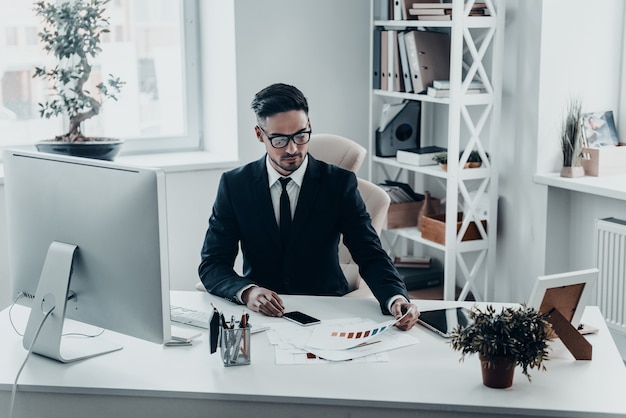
572,140
512,337
71,32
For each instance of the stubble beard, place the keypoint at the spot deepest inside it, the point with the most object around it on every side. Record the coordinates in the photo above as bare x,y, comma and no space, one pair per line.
289,167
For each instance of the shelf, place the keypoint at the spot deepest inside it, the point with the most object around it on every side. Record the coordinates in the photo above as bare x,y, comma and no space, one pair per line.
469,99
413,234
472,124
470,22
607,186
435,170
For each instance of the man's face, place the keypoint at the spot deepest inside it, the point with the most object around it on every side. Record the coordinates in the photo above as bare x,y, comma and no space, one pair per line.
288,159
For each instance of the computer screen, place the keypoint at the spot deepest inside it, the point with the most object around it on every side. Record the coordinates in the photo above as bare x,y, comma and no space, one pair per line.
101,224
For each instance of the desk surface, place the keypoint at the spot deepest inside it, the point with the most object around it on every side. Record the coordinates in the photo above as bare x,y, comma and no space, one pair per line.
149,379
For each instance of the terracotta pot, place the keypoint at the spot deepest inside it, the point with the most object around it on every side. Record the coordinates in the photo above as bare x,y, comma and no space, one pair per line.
474,164
500,375
444,167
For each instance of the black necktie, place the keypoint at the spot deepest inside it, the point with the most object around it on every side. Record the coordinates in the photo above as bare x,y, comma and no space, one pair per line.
285,211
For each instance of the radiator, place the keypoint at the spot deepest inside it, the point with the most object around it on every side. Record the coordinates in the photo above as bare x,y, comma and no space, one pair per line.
610,248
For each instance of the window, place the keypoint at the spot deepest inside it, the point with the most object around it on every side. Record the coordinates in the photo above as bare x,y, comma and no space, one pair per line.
152,46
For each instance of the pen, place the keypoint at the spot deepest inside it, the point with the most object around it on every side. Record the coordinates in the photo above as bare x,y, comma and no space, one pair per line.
244,324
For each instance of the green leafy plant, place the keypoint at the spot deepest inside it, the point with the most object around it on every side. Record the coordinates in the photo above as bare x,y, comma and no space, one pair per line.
519,334
571,134
71,32
441,157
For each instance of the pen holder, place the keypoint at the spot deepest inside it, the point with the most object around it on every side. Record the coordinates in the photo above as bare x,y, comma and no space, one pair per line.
235,346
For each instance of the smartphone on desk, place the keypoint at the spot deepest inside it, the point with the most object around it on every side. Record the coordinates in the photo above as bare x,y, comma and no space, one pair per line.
301,318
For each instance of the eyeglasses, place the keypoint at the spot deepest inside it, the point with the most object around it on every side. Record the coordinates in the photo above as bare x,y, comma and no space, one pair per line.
281,141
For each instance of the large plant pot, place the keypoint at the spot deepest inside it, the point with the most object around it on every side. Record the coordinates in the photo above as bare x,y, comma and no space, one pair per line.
101,149
500,375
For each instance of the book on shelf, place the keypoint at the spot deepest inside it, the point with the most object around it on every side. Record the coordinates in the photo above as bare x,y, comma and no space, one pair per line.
384,60
437,5
376,60
420,12
421,156
397,194
416,197
398,80
412,259
428,53
412,262
434,17
442,11
404,64
415,279
445,84
433,92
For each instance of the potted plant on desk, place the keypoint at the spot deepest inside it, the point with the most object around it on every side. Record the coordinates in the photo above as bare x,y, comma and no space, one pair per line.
503,340
71,32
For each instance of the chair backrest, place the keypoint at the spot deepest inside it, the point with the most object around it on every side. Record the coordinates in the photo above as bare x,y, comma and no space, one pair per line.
337,150
377,202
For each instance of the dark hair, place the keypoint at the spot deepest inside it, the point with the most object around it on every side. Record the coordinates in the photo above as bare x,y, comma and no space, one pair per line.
278,98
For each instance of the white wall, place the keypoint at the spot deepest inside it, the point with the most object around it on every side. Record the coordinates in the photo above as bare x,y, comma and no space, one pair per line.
555,49
5,290
322,47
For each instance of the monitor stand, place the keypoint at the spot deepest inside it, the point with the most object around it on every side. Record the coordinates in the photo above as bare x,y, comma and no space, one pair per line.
52,293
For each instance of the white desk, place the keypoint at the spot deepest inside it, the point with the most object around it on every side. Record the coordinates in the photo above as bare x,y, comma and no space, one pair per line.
146,379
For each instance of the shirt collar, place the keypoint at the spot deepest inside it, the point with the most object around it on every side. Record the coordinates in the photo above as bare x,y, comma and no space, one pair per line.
297,176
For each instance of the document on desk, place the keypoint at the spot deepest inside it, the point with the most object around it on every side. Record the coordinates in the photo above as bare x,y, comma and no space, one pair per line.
340,340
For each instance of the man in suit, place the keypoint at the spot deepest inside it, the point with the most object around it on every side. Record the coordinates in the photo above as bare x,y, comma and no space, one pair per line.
289,234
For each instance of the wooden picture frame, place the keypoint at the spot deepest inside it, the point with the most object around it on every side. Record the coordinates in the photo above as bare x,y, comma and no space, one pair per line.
566,292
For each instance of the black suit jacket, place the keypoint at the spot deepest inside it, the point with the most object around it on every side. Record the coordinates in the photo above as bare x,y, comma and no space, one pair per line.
329,205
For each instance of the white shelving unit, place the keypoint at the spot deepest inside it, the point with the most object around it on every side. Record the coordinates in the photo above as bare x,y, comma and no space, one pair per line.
472,123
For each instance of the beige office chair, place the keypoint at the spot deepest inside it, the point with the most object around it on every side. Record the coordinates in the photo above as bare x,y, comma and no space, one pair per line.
377,203
337,150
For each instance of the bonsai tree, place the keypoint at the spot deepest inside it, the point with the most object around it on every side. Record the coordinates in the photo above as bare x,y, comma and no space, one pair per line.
71,32
518,334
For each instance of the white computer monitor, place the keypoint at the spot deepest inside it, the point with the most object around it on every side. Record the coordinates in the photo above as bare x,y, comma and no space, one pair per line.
89,238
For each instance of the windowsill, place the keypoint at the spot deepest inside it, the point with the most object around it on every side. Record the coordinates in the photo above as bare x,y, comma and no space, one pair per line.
613,186
174,162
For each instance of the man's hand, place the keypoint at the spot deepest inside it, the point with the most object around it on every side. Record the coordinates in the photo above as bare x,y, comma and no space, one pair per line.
399,308
265,301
